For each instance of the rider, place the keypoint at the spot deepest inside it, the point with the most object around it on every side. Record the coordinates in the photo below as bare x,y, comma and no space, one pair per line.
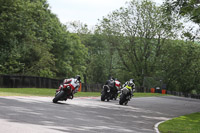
75,82
130,85
111,83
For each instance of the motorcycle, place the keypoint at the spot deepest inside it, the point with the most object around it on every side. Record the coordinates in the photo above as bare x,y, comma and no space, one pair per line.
125,96
109,92
64,92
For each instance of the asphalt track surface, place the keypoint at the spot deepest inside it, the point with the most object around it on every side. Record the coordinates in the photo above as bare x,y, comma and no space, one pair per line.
90,115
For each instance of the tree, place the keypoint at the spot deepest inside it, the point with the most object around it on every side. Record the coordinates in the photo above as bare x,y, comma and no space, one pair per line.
181,65
138,33
97,58
190,8
189,11
34,42
24,33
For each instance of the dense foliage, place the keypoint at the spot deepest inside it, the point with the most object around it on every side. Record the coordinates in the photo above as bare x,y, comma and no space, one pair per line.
34,42
145,38
138,41
187,10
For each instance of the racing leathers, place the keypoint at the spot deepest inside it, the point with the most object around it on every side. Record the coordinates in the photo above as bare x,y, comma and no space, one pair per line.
131,86
75,83
111,83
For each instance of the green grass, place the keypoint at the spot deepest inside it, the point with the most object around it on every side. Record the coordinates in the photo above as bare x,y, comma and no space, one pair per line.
27,92
51,92
183,124
149,95
39,92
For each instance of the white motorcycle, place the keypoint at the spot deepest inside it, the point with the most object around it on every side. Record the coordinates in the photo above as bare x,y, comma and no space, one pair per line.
125,95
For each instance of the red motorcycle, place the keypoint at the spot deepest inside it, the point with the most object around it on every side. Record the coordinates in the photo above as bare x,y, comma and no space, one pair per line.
66,90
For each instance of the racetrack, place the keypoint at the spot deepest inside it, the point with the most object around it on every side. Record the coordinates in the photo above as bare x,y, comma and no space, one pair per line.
90,115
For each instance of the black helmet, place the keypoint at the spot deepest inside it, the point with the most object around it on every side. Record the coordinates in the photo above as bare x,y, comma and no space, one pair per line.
112,78
78,77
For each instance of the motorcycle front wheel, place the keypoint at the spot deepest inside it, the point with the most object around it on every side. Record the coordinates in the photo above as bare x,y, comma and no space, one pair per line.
58,96
103,95
122,99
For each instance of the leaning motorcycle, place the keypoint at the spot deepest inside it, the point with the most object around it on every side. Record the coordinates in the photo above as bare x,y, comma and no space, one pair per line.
125,96
64,92
109,92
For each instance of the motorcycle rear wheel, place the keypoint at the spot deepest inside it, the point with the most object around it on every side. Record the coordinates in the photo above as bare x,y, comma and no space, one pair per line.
58,96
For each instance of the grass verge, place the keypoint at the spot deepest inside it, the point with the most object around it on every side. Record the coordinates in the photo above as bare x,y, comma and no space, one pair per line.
51,92
149,94
26,92
39,92
183,124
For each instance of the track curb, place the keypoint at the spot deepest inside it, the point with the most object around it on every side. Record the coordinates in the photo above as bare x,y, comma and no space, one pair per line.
157,124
